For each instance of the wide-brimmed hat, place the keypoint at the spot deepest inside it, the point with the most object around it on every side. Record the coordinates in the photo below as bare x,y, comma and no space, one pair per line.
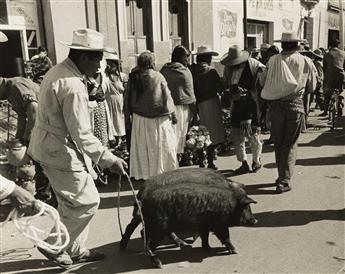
289,37
3,37
265,46
204,50
86,39
234,56
318,53
110,54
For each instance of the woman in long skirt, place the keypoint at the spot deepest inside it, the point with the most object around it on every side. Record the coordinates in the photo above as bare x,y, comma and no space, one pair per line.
180,83
153,139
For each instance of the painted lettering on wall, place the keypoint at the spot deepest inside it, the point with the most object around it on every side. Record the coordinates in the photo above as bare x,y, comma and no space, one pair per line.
261,4
333,20
287,24
22,12
228,23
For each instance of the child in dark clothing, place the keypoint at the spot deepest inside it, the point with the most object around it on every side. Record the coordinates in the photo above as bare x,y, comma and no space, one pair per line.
245,124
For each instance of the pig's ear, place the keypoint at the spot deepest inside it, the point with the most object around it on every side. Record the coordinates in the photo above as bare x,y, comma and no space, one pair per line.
247,200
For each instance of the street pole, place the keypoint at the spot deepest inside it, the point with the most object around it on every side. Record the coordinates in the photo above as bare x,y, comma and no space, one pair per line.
341,25
245,23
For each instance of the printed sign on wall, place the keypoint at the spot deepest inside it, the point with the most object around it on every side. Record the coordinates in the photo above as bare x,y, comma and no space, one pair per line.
261,4
287,24
23,13
228,23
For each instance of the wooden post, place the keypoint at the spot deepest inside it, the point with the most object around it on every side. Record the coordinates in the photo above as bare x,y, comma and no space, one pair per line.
341,25
245,24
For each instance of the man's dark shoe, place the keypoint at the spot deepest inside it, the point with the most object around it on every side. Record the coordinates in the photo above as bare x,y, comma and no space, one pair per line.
256,166
282,187
88,256
62,259
243,169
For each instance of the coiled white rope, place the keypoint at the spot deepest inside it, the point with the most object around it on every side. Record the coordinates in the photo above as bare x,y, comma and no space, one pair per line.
59,230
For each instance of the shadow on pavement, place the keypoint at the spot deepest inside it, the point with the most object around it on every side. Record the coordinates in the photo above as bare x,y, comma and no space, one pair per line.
320,161
113,183
297,217
228,172
328,138
21,266
258,189
117,262
112,202
331,137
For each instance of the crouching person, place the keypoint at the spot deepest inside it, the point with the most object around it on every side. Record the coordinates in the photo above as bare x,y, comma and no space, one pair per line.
63,143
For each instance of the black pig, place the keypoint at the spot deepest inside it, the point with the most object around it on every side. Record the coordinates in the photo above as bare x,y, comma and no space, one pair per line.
201,176
190,206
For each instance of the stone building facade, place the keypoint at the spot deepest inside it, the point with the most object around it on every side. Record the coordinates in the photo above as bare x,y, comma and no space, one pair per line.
131,26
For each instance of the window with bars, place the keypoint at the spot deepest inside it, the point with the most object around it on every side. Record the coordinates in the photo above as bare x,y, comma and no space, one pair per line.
257,34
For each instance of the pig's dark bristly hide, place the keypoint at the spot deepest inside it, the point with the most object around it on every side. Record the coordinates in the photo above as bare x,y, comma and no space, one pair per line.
197,176
205,208
187,204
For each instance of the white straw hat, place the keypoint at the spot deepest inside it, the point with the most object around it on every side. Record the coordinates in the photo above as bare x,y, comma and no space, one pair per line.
289,37
234,56
110,54
204,50
3,37
86,39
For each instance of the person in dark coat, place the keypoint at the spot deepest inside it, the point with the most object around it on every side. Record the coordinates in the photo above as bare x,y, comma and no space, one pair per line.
207,87
334,72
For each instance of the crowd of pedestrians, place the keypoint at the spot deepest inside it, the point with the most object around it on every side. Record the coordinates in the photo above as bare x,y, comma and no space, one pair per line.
84,108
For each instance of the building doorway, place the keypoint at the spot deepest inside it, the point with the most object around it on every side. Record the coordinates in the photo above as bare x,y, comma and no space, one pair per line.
12,54
178,23
332,34
139,28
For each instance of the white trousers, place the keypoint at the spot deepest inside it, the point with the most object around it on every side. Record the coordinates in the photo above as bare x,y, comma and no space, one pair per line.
239,142
78,201
183,116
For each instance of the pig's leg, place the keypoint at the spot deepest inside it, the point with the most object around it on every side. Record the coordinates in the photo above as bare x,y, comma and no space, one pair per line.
203,232
223,235
129,231
153,241
179,242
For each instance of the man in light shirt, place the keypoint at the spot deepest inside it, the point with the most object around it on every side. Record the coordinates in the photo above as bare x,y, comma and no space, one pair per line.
63,143
287,113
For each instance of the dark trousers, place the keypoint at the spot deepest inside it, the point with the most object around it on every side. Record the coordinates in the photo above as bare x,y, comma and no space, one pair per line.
336,83
285,128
